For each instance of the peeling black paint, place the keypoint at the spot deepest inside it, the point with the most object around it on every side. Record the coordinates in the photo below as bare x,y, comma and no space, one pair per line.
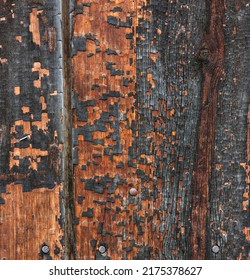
22,56
89,213
163,128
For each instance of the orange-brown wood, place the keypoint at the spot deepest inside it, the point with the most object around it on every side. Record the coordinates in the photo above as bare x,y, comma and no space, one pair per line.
131,160
27,221
113,214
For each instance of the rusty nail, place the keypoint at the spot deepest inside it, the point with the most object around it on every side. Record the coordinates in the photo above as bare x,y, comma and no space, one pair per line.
133,191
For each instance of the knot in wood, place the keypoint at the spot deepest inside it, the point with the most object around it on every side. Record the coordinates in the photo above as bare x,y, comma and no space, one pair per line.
204,54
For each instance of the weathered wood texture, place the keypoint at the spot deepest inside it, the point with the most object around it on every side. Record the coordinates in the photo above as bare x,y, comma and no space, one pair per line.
229,212
160,105
30,129
135,80
211,56
68,181
104,135
158,124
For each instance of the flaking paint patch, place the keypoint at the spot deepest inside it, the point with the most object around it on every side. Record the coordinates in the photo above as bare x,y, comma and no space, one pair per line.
43,123
31,124
17,90
34,26
19,38
104,80
42,72
246,231
246,196
128,221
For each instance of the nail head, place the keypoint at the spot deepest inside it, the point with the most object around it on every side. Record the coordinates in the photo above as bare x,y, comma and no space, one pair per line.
133,191
102,249
216,249
45,249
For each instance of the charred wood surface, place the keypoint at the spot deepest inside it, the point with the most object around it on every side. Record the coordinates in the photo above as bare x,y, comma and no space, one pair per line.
31,139
124,126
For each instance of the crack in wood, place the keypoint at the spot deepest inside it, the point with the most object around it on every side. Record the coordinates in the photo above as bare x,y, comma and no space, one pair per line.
69,230
211,55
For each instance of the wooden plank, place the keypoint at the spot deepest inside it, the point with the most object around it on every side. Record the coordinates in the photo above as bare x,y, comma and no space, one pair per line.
104,97
211,55
30,129
228,213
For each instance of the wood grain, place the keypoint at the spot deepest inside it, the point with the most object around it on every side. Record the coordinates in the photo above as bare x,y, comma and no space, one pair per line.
31,140
124,125
211,55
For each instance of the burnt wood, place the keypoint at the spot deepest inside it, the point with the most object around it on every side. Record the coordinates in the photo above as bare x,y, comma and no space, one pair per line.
124,129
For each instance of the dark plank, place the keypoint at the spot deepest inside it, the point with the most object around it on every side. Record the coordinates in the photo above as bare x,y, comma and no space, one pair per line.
228,217
30,129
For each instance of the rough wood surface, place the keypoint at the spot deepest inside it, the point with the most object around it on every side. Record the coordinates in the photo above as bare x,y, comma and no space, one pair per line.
30,129
147,76
229,212
68,181
124,124
211,56
104,149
